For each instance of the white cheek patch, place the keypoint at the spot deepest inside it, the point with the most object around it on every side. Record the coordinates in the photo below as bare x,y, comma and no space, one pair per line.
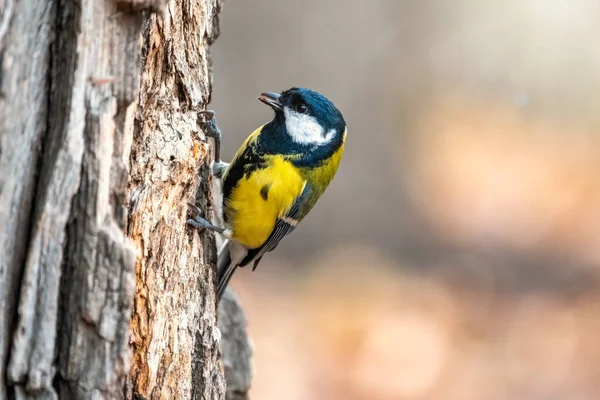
305,129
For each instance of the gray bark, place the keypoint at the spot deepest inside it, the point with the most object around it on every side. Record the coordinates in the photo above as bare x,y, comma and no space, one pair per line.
236,347
85,162
23,118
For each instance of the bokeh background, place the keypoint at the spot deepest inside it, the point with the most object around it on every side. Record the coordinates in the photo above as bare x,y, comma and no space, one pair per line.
457,253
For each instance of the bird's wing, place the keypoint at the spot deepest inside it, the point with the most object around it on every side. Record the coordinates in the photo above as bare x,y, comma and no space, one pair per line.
246,159
283,227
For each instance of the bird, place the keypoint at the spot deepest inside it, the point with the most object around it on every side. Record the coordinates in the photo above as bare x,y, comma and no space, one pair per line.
275,178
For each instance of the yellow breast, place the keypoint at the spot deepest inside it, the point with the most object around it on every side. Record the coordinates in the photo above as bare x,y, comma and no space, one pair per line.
260,198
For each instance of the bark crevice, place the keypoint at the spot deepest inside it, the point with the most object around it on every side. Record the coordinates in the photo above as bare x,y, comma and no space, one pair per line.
100,279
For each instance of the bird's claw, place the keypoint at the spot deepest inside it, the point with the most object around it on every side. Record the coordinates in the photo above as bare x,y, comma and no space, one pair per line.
209,126
196,220
199,223
210,113
196,211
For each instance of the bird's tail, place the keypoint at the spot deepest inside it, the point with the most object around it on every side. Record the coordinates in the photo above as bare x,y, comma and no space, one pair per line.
226,266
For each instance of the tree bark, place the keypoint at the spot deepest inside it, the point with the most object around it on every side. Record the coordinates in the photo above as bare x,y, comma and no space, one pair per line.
235,346
100,279
174,324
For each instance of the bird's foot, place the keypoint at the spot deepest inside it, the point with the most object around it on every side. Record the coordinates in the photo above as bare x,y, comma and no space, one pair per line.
201,224
196,219
209,124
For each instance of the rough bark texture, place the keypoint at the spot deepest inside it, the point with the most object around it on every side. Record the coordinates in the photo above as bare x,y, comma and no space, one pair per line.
236,347
23,118
80,166
174,323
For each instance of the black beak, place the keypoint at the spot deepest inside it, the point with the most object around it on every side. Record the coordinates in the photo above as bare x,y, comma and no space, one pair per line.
271,99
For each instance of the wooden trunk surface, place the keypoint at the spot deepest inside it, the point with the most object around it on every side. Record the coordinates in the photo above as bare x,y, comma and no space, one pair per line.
101,282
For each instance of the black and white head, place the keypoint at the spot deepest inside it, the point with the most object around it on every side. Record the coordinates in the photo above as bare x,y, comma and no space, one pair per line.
309,117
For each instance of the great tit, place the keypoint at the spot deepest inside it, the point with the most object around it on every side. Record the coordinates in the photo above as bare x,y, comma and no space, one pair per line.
275,178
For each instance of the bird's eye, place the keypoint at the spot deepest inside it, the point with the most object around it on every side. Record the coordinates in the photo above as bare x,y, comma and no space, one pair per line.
301,108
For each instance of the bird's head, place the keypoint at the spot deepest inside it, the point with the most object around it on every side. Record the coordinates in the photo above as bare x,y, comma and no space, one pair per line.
309,117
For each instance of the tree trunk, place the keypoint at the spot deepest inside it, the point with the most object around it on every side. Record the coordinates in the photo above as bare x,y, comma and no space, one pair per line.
100,279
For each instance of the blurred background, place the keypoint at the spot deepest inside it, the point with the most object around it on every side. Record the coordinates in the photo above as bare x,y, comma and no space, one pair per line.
457,253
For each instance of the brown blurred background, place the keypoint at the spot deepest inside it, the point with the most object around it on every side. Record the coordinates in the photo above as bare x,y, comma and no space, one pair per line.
457,253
